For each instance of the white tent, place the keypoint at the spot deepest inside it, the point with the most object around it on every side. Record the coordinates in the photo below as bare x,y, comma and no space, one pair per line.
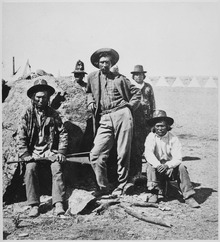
210,83
21,73
178,83
194,83
162,82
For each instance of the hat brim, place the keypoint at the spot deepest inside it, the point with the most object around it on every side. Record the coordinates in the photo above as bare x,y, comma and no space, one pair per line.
97,54
79,72
40,88
153,121
133,72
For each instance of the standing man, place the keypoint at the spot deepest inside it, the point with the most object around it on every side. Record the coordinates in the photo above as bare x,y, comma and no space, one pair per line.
163,152
112,99
141,115
79,73
41,134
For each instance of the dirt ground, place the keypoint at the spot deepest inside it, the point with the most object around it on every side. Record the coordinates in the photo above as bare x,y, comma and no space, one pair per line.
195,111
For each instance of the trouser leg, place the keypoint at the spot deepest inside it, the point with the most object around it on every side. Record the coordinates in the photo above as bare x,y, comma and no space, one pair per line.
32,183
152,177
123,126
58,188
182,176
100,152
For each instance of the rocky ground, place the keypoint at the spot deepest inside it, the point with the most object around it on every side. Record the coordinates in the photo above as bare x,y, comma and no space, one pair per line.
196,123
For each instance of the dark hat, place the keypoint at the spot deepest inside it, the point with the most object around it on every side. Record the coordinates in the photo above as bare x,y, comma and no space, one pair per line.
79,68
159,115
39,86
138,69
99,53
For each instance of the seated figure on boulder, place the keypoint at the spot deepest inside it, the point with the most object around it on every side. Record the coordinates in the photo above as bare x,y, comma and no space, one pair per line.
164,159
42,134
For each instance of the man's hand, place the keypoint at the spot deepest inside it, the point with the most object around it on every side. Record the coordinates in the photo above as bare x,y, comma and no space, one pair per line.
92,107
28,158
169,172
60,158
162,168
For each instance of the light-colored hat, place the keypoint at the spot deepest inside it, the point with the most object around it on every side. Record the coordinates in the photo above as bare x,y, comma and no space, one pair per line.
138,69
40,85
99,53
160,115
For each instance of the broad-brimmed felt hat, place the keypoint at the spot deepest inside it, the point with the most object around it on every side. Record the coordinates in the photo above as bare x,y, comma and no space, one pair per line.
100,52
138,69
159,115
39,86
79,68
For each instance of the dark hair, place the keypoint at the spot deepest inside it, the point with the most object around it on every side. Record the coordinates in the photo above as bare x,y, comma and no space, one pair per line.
137,72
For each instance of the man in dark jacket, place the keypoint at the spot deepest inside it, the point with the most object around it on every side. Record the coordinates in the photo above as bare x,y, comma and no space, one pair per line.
41,134
112,98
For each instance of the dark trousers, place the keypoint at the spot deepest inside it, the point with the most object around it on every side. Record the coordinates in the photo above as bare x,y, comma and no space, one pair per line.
155,180
36,174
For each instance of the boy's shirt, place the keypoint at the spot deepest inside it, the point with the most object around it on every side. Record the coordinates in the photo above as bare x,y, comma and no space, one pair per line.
166,149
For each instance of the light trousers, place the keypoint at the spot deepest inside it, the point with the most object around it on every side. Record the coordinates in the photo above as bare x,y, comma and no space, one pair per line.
180,174
114,127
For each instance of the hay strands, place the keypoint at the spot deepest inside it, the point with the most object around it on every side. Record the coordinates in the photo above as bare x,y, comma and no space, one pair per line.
144,218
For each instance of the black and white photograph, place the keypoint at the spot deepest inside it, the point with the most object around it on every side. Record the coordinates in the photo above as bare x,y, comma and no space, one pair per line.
110,119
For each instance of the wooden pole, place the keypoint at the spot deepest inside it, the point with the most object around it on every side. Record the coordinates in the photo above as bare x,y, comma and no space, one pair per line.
144,218
13,65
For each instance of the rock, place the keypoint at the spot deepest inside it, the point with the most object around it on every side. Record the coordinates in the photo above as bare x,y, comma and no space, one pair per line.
78,201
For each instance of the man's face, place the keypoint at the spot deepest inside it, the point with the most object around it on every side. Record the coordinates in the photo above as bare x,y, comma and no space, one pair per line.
161,128
41,99
79,76
138,77
105,64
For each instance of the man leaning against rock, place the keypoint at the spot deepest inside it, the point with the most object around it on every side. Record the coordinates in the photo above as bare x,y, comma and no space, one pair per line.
112,98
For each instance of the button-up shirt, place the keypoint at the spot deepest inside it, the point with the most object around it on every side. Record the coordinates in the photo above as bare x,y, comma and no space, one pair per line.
165,149
110,96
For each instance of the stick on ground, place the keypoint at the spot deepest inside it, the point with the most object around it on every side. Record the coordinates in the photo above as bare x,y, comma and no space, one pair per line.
144,218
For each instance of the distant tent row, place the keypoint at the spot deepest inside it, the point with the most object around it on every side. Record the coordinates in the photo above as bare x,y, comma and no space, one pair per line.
194,82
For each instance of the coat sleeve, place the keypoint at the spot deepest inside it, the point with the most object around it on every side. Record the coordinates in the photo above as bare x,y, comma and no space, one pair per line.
63,136
90,98
135,95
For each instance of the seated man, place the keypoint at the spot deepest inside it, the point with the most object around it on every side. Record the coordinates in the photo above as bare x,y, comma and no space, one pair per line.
164,159
41,134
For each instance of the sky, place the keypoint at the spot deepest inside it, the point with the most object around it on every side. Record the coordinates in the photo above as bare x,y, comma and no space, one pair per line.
167,38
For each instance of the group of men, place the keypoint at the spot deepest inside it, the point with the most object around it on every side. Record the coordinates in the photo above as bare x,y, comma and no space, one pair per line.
119,108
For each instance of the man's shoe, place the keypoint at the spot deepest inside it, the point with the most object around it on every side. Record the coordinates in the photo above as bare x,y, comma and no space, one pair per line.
59,209
117,192
128,189
34,212
192,202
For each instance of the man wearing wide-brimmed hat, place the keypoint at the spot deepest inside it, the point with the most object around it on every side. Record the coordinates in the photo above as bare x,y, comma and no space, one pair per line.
79,73
143,113
112,98
164,159
42,134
